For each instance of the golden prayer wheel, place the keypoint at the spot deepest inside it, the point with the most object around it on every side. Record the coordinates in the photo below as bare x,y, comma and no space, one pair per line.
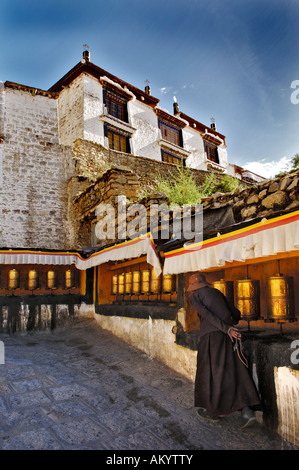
121,283
226,287
168,283
136,282
247,299
51,279
114,284
68,279
145,284
32,279
155,283
280,298
128,283
13,279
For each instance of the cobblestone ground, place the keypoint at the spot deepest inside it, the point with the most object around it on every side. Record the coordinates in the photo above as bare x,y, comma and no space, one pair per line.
83,388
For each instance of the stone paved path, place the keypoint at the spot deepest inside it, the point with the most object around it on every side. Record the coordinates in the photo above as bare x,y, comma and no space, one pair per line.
83,388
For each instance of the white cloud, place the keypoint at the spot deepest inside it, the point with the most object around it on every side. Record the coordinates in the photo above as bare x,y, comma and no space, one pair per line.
165,89
269,169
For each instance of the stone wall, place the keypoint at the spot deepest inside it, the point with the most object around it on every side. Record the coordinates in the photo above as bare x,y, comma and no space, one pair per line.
94,159
35,171
71,112
115,173
260,200
114,182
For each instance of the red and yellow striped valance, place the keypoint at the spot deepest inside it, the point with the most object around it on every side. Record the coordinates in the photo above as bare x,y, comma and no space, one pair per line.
253,240
128,249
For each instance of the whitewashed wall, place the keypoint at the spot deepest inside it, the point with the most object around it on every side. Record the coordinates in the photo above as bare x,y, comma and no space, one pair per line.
71,112
193,143
154,338
223,157
35,169
144,142
93,108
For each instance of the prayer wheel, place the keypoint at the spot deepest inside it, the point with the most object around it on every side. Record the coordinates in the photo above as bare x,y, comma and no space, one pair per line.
136,282
280,298
247,299
114,284
128,283
51,279
121,283
145,284
68,279
168,283
155,283
226,287
32,279
13,279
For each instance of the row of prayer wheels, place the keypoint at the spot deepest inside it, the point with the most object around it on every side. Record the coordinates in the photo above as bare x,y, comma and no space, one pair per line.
280,297
33,281
142,282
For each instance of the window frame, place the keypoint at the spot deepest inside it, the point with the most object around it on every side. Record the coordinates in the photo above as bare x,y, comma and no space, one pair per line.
170,133
117,140
167,155
115,104
208,147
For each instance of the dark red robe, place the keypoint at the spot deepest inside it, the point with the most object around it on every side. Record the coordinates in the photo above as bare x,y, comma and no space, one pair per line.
223,383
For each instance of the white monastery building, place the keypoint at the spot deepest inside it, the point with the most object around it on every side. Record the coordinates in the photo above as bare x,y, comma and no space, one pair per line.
90,103
38,129
97,106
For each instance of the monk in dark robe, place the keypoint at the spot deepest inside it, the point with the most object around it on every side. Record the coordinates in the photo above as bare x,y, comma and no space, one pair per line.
223,384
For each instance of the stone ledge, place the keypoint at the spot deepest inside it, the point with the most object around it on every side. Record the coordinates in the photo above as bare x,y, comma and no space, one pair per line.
262,199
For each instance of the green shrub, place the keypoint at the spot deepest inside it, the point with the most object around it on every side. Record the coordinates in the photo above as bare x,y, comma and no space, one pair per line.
228,184
182,189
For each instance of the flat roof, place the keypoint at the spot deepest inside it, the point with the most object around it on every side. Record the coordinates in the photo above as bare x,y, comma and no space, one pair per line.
98,72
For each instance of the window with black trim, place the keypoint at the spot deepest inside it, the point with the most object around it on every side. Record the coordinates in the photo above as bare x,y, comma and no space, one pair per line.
212,152
118,140
170,133
170,157
116,105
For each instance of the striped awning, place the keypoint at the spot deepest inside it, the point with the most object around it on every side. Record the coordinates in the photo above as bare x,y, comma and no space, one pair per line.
128,249
255,239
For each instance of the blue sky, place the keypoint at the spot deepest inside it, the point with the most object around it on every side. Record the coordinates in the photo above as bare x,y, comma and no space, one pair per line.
233,60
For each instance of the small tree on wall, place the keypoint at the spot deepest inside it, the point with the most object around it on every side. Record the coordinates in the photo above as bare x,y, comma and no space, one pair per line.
181,188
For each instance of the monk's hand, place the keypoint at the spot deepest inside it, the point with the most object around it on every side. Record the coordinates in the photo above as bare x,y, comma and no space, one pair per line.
234,333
